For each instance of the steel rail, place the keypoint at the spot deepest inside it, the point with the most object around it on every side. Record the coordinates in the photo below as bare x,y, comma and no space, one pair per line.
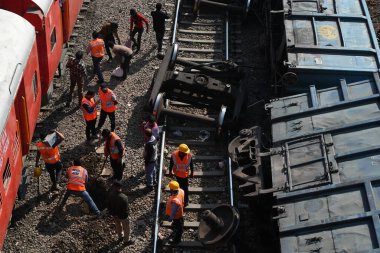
227,37
230,183
160,172
176,21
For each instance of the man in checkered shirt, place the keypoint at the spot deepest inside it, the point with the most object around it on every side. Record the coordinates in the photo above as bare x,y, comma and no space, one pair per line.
77,76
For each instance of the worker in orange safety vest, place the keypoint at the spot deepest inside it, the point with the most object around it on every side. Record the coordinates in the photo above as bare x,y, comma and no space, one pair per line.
96,48
48,150
108,103
181,162
76,185
89,114
174,210
114,148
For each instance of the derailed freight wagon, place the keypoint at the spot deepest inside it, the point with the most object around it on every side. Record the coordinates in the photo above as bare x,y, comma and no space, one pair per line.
320,42
326,168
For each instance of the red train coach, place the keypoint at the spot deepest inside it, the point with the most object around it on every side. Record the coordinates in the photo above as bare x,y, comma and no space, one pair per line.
45,16
20,103
70,12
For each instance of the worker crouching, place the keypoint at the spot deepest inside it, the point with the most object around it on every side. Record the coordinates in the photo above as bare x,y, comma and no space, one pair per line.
174,210
77,178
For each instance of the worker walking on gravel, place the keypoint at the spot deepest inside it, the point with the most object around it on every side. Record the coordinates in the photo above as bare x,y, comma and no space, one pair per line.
77,75
108,33
150,157
114,148
181,162
137,21
96,48
125,55
151,124
48,150
76,185
108,102
159,17
90,114
118,209
174,210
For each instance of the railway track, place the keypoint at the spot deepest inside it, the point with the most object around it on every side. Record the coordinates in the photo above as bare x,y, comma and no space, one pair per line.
210,187
204,34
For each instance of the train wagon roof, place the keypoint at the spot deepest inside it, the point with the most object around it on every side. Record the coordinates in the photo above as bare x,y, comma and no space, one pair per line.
327,136
17,38
44,5
333,37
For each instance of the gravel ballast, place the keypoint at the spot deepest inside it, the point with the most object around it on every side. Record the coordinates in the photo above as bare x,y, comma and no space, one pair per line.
38,224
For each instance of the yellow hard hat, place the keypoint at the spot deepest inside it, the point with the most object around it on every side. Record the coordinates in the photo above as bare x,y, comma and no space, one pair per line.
184,148
37,171
173,185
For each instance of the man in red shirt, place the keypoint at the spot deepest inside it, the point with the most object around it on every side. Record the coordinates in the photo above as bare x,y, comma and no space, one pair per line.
137,21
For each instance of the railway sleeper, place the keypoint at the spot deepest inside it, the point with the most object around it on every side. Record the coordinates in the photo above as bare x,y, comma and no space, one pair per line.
208,173
200,190
187,224
186,244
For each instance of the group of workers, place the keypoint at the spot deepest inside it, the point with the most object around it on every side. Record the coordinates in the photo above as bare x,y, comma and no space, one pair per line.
181,164
105,40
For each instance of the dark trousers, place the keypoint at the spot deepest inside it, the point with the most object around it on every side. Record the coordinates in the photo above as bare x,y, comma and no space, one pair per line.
139,32
97,71
109,38
177,227
102,119
184,185
159,39
90,128
55,171
117,168
73,83
125,62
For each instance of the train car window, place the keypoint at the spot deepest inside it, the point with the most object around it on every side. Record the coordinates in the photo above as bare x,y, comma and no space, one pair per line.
35,86
7,175
15,148
53,39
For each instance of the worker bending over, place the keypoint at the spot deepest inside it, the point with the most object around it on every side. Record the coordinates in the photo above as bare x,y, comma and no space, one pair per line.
76,185
114,148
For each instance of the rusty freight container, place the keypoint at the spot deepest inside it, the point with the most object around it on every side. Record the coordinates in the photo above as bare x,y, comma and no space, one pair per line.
320,42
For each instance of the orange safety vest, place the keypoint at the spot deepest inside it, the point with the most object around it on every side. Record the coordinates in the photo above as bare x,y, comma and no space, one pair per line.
181,167
97,48
49,154
113,150
179,199
76,178
89,116
107,104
